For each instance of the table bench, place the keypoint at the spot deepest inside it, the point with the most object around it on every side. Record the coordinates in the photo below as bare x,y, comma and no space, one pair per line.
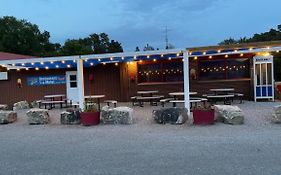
192,101
108,102
225,98
163,101
51,104
153,100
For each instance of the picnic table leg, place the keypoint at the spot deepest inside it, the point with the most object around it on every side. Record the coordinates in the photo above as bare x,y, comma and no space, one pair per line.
98,104
174,104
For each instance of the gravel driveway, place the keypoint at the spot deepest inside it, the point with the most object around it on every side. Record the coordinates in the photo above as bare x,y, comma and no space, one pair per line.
145,147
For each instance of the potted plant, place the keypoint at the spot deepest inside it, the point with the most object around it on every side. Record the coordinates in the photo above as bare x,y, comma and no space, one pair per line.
90,114
203,115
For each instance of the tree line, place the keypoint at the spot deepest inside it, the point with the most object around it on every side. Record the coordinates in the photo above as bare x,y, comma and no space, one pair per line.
23,37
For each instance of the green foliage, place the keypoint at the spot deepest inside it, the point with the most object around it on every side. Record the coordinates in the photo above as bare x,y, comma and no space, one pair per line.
271,35
90,106
22,37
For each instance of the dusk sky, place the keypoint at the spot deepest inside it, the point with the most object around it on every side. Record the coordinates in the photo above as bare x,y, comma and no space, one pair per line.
137,22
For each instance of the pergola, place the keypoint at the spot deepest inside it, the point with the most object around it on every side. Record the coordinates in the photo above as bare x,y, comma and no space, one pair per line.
83,61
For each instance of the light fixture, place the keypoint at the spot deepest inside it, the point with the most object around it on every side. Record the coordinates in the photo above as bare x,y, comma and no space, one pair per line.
204,53
268,47
22,64
68,66
147,56
111,59
162,55
219,51
241,55
91,64
170,58
195,58
116,64
235,51
226,56
86,60
99,60
57,66
104,63
210,57
42,63
8,68
140,61
178,54
182,60
18,69
62,61
51,62
135,57
277,51
122,58
74,61
13,64
190,53
32,64
46,67
26,69
250,49
154,60
36,68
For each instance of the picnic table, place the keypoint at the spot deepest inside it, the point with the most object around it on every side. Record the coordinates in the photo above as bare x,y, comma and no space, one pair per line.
222,90
176,94
98,97
52,100
147,93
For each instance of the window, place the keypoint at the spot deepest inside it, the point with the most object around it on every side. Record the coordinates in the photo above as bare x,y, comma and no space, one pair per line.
165,71
73,81
224,69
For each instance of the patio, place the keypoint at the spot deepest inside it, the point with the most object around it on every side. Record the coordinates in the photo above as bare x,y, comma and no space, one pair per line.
144,147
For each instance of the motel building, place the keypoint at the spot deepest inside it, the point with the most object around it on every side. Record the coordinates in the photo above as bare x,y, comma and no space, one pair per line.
248,68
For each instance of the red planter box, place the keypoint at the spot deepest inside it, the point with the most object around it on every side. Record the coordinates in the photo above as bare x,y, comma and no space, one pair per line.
90,118
203,117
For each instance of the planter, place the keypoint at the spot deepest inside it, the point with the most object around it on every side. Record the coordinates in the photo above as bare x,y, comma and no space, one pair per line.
90,118
203,117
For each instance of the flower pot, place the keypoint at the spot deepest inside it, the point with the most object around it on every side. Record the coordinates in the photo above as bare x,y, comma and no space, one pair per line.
203,117
90,118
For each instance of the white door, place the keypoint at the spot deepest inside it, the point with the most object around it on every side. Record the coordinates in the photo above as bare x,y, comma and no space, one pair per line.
71,86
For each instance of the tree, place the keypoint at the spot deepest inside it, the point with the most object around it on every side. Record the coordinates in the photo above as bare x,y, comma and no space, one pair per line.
23,37
148,48
137,49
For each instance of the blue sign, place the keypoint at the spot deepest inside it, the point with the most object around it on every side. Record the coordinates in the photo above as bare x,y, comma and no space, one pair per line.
46,80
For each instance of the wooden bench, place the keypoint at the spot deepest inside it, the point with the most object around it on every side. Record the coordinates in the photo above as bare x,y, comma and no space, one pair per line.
108,102
225,98
153,100
195,101
163,101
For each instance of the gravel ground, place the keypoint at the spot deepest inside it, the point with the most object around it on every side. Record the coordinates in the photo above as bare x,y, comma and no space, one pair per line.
145,147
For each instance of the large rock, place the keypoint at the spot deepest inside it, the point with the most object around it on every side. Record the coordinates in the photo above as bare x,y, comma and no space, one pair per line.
21,105
35,104
229,114
119,115
7,117
3,107
276,118
38,116
70,117
170,115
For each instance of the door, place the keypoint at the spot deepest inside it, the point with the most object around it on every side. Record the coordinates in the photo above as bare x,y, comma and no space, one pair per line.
264,80
71,86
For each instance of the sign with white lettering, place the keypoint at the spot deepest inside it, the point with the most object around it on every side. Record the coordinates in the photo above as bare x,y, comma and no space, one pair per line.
46,80
263,59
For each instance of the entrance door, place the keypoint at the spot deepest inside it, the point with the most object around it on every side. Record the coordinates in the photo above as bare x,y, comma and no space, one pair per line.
264,80
71,86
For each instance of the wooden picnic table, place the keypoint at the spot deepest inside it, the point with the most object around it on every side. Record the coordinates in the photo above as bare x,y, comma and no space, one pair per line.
98,97
222,90
176,94
147,93
51,100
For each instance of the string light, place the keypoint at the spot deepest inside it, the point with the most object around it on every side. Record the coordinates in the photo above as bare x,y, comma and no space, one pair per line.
204,53
162,55
219,51
68,66
18,69
241,55
135,57
42,63
178,54
268,47
22,64
147,56
170,58
13,64
62,61
104,63
86,60
140,61
74,61
195,58
36,68
122,58
8,68
46,67
111,59
235,51
226,56
190,53
57,66
250,49
99,60
277,51
32,64
51,62
91,64
154,60
210,57
26,69
116,64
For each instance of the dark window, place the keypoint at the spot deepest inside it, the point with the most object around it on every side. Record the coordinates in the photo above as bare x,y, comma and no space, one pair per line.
224,69
167,71
72,77
73,84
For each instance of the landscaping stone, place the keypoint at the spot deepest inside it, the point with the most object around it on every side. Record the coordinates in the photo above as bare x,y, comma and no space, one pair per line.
3,107
38,116
70,117
7,117
276,118
170,115
21,105
229,114
35,104
119,115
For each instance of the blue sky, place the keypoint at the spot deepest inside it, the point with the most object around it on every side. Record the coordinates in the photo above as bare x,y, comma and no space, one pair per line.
137,22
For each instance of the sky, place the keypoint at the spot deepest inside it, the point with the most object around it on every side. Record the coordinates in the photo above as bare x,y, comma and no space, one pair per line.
134,23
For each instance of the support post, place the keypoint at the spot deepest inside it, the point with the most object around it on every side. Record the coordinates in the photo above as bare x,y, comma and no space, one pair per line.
186,81
80,82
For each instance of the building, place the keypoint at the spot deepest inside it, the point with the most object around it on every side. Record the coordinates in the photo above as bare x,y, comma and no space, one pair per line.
247,67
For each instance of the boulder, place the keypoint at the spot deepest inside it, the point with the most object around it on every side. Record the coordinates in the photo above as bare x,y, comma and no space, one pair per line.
229,114
38,116
119,115
276,118
7,117
70,117
3,107
35,104
21,105
170,115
